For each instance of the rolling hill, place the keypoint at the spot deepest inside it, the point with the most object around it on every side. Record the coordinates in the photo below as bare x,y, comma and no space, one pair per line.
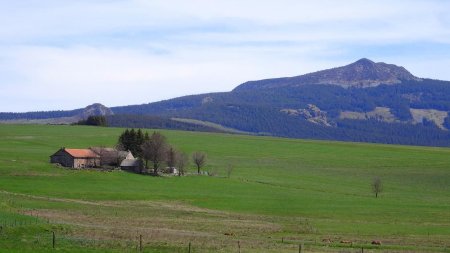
280,193
363,101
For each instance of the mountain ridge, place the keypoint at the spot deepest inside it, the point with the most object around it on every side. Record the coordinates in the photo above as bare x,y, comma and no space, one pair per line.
363,73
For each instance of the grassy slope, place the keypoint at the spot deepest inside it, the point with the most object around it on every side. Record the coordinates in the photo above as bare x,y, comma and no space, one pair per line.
326,182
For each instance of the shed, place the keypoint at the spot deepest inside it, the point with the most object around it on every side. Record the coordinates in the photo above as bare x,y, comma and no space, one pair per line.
134,165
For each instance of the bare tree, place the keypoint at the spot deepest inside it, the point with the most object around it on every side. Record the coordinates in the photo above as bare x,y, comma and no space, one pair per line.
155,150
199,159
101,151
377,186
229,170
119,146
172,157
106,155
182,163
119,155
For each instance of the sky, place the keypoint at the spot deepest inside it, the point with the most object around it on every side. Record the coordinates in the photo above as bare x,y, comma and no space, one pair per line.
61,54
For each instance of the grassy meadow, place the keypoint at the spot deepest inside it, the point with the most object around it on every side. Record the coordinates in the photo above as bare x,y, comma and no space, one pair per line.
281,193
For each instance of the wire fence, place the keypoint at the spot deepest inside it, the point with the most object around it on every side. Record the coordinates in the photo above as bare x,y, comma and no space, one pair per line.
61,240
37,232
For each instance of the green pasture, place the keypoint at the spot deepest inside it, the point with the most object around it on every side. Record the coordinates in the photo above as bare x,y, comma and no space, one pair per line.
309,190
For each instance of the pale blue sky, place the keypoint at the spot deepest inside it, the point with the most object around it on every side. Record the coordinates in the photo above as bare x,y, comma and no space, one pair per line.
57,54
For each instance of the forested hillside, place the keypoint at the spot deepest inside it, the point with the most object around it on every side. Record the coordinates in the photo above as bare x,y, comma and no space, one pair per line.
258,111
363,101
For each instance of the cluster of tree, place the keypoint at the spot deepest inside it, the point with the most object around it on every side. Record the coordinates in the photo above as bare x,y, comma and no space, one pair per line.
94,121
155,151
132,140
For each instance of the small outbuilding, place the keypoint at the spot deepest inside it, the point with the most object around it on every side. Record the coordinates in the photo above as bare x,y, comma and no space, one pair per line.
171,170
132,164
76,158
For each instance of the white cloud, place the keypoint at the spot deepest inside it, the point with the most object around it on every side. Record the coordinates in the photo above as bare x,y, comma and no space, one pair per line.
126,52
67,78
110,76
391,20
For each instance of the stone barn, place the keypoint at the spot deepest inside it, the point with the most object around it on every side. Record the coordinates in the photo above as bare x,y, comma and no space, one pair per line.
76,158
111,156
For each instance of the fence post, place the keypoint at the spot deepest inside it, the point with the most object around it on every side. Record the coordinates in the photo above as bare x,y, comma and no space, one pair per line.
53,239
239,246
140,243
189,247
362,249
300,248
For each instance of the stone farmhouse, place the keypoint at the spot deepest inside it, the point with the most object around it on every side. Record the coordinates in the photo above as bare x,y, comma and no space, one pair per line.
76,158
95,157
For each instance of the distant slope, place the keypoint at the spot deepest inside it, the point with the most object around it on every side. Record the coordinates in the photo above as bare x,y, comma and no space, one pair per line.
363,101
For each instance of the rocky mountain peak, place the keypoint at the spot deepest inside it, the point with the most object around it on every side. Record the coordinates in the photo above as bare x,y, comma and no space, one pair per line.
364,61
363,73
96,109
366,73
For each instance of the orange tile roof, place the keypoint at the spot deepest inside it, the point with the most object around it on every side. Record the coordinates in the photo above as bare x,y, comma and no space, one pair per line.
81,153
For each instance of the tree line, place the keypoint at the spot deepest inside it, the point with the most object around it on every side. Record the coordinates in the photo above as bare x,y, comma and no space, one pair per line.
94,121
